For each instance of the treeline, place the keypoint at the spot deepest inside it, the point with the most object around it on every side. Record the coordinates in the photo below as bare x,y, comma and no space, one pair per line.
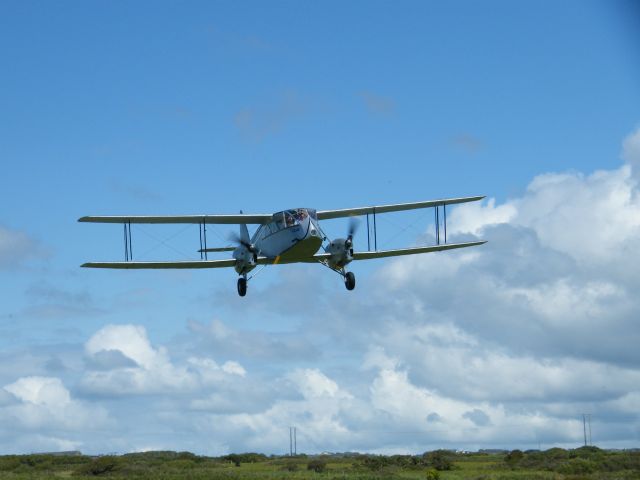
581,461
586,462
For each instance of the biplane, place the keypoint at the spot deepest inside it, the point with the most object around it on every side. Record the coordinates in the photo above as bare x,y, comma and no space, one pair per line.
289,236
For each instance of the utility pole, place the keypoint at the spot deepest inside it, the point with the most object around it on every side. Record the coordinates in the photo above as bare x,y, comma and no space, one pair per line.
586,417
293,441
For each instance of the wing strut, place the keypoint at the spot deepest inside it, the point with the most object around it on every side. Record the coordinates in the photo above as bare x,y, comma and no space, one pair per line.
437,224
444,209
128,249
368,234
375,232
440,221
203,238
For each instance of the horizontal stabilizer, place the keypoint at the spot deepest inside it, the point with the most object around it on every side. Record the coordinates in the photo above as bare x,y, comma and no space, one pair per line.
217,249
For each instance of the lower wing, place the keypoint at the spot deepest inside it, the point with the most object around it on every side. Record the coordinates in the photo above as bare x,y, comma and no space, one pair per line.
413,250
268,261
157,265
320,257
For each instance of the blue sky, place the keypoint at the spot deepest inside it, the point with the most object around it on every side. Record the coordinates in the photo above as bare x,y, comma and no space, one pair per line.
211,107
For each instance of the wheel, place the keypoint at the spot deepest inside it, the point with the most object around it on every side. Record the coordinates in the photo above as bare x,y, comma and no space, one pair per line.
350,281
242,286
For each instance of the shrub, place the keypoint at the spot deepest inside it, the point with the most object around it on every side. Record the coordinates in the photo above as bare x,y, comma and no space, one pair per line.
433,475
576,466
290,467
99,466
438,459
9,463
376,462
556,453
317,465
238,458
514,457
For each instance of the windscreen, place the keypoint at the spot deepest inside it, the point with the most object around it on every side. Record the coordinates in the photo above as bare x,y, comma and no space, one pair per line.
288,218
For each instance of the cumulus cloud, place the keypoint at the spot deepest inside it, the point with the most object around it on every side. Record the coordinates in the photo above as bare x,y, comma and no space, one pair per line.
312,383
591,218
540,323
42,411
125,362
503,345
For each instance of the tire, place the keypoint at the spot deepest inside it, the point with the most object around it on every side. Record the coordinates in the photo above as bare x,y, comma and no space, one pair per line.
242,286
350,281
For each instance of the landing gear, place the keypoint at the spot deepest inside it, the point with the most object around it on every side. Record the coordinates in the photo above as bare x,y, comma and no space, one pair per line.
242,286
349,280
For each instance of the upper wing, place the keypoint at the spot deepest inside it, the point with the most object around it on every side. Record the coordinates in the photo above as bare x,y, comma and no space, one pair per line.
221,219
413,250
348,212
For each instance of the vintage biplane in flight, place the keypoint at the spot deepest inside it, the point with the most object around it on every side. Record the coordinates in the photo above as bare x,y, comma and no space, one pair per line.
290,236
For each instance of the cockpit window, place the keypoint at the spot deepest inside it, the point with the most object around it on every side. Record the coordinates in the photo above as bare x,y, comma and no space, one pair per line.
288,218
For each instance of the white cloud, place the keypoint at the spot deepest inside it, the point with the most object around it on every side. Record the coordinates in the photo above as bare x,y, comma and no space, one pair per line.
43,413
473,218
45,391
130,340
591,218
152,372
501,345
312,383
233,368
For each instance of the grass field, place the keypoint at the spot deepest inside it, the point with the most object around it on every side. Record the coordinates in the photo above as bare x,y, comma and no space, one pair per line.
582,463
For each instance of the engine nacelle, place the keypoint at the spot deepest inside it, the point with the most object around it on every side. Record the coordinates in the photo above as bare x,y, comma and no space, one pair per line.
246,260
341,250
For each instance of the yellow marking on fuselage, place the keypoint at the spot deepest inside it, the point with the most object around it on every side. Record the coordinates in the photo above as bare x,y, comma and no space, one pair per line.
275,262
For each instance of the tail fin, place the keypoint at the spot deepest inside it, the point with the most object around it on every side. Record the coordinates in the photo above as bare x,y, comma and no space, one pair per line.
244,234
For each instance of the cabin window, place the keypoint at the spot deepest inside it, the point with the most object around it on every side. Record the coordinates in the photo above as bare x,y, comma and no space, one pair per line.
286,219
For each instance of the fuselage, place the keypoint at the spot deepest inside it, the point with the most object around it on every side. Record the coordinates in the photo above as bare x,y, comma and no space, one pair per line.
292,235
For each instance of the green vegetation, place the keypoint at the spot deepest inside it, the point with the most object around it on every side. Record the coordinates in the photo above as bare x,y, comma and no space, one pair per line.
585,463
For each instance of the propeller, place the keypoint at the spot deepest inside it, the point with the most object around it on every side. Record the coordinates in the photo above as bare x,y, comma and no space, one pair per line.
236,238
354,223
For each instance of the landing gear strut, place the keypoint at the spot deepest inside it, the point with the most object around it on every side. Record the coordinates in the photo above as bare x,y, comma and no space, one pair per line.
242,286
349,280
